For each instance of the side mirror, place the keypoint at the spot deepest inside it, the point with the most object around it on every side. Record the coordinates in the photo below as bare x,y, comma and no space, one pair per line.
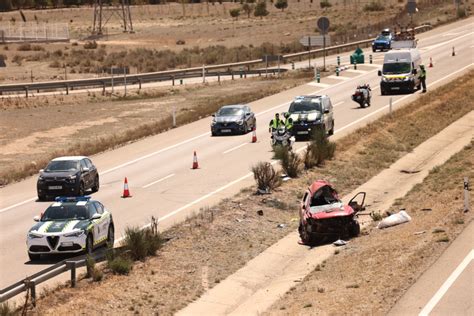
380,73
326,111
37,218
96,216
85,169
415,71
213,115
41,170
248,114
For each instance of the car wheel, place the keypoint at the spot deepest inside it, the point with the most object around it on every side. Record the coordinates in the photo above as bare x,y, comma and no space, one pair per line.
331,131
96,185
34,257
81,190
245,129
89,245
41,197
306,238
382,92
110,237
354,228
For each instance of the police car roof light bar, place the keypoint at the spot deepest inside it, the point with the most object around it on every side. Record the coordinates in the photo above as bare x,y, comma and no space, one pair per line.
72,198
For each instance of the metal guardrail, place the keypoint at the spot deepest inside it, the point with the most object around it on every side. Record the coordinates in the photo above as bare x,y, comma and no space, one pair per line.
33,280
171,75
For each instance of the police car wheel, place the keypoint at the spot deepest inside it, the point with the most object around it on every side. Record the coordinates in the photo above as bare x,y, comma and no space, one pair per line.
89,245
34,257
96,185
81,190
41,197
110,237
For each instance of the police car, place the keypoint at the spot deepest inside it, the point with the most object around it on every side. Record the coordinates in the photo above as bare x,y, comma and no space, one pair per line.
70,225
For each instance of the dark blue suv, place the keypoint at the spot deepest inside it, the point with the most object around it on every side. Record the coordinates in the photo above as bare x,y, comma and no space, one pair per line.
383,41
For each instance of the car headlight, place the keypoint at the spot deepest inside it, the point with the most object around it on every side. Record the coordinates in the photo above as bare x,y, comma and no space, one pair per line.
240,122
384,79
213,122
72,178
76,233
40,178
33,235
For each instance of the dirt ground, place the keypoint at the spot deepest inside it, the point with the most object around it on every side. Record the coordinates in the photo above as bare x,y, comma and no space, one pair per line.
32,130
372,272
214,244
160,26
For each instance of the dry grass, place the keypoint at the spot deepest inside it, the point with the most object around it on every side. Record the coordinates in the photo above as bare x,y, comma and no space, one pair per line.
202,252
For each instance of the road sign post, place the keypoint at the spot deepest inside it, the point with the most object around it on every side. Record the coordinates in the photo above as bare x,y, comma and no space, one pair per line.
323,25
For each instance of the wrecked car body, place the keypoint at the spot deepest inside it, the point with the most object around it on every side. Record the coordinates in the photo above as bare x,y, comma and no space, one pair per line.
323,216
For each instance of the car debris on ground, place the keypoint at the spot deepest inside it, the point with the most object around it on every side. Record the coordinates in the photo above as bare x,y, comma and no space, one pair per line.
394,219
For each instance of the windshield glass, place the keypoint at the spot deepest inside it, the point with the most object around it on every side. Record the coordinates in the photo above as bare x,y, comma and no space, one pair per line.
396,68
62,165
305,106
65,211
382,38
230,112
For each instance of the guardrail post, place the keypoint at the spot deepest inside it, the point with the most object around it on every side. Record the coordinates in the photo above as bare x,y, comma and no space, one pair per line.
232,74
355,64
173,114
219,77
103,87
67,89
26,92
172,80
72,265
259,73
390,106
181,81
245,74
203,73
139,84
32,286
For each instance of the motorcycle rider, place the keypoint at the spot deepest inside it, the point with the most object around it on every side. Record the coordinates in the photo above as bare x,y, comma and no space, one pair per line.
275,123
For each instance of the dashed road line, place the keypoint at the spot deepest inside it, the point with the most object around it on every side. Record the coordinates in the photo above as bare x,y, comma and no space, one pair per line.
234,148
157,181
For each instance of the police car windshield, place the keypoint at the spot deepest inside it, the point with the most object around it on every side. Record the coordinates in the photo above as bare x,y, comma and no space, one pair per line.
230,112
396,68
382,38
62,165
65,211
304,106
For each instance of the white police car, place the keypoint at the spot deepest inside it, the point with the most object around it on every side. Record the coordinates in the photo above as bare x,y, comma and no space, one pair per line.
70,225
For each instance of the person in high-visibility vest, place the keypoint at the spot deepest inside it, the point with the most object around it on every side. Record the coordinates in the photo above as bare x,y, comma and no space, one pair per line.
275,123
423,77
288,122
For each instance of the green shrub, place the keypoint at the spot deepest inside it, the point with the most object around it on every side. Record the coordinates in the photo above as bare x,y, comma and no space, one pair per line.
120,265
261,9
24,47
8,310
234,13
90,45
266,177
290,162
281,4
141,242
318,150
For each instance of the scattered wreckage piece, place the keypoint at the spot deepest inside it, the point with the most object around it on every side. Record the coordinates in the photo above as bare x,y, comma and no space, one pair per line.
394,219
323,216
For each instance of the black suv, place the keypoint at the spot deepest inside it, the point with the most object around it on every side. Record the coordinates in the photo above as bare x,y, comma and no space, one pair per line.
310,113
67,176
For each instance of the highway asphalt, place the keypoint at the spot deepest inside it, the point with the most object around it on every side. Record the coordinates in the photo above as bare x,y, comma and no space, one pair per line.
159,167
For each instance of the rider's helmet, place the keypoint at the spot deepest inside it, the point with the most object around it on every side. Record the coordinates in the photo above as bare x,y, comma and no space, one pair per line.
286,114
422,66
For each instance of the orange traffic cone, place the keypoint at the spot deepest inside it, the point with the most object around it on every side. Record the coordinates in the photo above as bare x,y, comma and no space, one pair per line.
126,192
254,135
195,161
431,62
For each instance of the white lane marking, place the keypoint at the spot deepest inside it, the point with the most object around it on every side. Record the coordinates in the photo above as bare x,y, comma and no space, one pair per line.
447,284
234,148
355,71
154,153
157,181
447,42
17,204
338,103
339,77
318,84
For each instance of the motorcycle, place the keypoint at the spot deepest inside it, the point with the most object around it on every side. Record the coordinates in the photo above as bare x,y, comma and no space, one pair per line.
282,137
362,95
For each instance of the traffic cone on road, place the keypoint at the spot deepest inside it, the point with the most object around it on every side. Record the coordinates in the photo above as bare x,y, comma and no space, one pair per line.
195,161
126,191
431,62
254,135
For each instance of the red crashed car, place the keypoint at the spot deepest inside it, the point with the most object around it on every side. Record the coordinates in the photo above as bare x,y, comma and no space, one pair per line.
323,217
